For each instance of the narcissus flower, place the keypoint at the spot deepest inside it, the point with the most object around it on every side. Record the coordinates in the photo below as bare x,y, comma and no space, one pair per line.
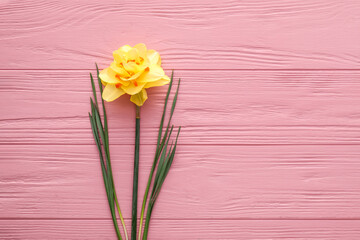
133,70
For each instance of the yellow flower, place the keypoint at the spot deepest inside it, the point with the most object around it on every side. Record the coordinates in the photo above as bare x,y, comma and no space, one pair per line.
133,70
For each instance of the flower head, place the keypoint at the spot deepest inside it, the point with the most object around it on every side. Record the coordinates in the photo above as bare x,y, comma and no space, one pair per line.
133,70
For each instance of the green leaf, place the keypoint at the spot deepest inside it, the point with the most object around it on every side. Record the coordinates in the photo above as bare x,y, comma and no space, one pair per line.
164,111
100,133
102,101
161,161
164,157
93,89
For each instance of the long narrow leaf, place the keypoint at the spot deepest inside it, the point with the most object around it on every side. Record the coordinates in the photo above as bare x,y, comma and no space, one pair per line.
96,137
103,105
93,89
167,165
157,153
160,148
101,137
164,111
163,160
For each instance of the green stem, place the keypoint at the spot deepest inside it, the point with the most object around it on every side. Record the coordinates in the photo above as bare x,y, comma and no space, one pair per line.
147,220
158,150
145,196
121,216
157,153
101,137
113,215
136,176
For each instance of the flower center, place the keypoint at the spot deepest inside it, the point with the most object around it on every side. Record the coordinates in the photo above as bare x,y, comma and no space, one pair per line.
118,76
137,61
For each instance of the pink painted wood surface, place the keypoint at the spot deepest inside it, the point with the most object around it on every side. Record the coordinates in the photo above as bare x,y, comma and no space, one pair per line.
202,34
221,182
269,105
239,107
94,229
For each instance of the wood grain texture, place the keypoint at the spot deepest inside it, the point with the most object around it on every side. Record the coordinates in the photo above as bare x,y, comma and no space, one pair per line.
206,182
205,34
235,107
269,106
185,229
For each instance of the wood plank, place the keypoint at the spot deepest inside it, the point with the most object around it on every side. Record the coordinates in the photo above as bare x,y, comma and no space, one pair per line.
185,229
224,182
215,107
202,35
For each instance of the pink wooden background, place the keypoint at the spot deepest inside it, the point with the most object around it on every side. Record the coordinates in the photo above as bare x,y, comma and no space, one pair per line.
270,108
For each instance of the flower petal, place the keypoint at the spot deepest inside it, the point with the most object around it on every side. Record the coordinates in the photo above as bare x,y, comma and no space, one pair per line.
119,56
125,48
155,73
135,76
132,89
139,98
108,75
154,57
133,54
163,81
111,92
141,47
119,70
131,67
